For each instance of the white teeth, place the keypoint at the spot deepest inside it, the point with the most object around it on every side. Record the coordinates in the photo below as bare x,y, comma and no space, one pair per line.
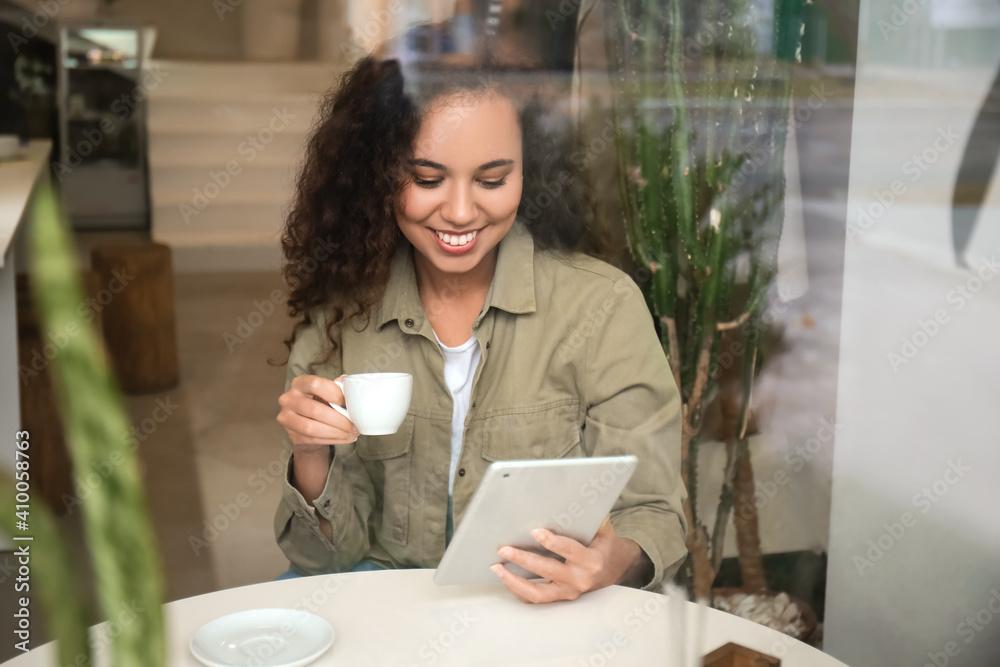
454,240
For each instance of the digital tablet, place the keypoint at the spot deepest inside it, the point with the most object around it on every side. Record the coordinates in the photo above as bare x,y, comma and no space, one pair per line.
570,497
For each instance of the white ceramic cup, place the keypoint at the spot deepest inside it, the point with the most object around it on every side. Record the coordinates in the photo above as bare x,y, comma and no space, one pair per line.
376,402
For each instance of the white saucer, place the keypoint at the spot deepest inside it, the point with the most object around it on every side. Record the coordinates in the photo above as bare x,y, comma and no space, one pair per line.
262,637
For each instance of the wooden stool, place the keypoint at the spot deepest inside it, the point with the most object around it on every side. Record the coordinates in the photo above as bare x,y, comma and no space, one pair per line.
136,296
734,655
51,466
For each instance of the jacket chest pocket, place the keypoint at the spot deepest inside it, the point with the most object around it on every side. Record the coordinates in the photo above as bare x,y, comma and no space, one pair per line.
388,459
549,431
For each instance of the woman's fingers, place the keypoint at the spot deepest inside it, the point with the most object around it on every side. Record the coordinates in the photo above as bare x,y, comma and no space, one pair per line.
583,569
317,410
566,547
305,431
316,415
308,419
543,566
534,592
578,573
322,388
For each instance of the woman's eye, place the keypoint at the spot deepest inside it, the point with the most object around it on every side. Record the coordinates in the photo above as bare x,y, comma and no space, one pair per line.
489,185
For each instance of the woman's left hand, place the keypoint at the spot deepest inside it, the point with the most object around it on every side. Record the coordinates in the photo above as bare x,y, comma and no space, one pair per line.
608,560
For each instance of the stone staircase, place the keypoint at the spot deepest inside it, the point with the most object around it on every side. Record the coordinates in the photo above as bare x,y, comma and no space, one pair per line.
225,141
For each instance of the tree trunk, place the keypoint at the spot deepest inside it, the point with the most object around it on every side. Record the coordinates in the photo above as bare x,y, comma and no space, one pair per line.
703,574
747,530
729,399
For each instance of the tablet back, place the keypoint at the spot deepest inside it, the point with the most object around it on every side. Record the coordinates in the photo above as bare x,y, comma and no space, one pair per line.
567,496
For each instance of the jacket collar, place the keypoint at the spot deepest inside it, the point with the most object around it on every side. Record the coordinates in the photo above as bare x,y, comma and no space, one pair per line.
513,288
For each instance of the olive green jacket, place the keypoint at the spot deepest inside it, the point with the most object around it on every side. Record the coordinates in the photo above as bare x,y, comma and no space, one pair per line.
571,366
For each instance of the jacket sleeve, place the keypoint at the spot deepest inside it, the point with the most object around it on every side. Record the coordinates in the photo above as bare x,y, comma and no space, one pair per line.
634,407
348,496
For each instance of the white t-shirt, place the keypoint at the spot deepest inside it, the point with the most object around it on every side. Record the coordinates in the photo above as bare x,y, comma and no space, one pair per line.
460,365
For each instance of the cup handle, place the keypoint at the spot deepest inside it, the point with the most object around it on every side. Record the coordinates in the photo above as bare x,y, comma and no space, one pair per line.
339,408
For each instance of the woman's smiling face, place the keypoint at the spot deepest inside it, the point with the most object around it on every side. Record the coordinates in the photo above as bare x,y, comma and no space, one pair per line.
465,181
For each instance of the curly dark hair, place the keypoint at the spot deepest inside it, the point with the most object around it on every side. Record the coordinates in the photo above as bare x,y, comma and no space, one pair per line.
356,166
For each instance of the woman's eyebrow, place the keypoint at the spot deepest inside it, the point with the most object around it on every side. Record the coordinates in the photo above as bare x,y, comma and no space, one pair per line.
440,167
427,163
495,163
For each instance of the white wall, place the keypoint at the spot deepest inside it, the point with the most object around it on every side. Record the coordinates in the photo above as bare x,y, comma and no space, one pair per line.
914,570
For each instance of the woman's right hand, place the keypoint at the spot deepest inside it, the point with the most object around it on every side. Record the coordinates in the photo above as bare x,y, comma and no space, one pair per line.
310,422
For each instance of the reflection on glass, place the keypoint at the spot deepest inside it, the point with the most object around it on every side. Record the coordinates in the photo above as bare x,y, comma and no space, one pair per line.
100,47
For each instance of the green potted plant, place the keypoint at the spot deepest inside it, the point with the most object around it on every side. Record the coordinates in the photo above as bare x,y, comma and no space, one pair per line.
126,563
700,113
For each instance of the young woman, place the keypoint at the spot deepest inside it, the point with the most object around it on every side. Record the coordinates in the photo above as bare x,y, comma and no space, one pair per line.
406,252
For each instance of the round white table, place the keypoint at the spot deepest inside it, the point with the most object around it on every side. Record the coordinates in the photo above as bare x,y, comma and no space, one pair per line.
401,618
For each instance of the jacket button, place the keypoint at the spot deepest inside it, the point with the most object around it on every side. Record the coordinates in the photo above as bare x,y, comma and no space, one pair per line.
408,323
326,505
487,345
473,405
461,472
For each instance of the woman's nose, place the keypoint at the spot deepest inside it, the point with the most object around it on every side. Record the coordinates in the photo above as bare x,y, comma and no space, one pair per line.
460,207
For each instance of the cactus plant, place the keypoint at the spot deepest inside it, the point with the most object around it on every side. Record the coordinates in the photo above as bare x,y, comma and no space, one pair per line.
700,111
